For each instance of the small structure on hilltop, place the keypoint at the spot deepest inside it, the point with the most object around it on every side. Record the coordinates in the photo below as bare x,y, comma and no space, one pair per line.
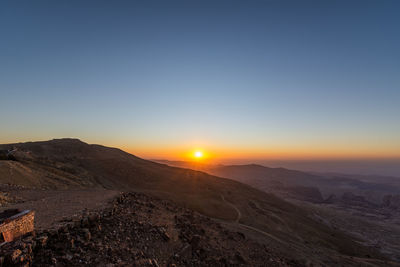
15,223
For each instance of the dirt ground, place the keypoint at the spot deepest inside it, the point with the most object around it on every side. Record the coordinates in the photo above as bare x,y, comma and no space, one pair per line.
54,206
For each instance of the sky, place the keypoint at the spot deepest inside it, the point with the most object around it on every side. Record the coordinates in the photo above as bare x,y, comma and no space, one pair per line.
237,79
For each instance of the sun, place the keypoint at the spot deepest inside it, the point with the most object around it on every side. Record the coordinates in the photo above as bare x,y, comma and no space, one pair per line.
198,154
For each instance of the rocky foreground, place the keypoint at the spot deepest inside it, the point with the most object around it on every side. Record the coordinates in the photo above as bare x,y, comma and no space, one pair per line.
138,230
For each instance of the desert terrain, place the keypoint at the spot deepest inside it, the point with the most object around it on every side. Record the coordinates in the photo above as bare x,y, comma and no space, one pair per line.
65,180
366,207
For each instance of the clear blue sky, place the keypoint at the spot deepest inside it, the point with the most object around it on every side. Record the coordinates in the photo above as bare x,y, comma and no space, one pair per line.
262,77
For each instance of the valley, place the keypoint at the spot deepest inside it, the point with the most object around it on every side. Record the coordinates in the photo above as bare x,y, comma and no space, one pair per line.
365,207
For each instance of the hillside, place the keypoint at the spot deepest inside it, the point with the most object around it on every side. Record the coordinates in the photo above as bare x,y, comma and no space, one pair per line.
168,235
352,203
70,164
312,187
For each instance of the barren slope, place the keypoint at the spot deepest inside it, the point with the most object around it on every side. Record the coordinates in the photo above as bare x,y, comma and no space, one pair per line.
70,162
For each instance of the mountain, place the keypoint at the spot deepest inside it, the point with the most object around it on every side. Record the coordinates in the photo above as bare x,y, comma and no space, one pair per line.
70,164
312,187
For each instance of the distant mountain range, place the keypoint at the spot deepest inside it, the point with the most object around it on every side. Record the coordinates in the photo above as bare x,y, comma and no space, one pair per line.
313,187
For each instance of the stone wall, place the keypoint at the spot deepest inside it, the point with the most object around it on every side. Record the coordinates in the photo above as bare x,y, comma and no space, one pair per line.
15,227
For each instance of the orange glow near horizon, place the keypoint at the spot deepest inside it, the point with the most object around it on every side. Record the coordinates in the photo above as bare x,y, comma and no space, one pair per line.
197,155
258,154
219,151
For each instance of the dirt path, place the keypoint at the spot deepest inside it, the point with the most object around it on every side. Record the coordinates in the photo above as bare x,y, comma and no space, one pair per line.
270,213
262,232
239,214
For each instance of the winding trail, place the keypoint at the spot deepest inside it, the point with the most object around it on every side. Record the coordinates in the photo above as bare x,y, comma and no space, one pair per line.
262,232
239,216
271,213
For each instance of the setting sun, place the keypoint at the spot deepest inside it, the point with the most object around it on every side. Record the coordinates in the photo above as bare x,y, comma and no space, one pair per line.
198,154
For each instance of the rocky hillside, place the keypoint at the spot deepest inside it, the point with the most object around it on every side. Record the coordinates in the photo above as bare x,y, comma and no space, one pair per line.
292,184
138,230
70,163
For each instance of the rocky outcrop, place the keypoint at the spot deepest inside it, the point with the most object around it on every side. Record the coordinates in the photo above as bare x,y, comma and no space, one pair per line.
18,253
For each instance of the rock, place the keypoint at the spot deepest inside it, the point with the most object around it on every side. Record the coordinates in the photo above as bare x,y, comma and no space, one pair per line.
86,233
42,241
71,243
85,222
13,257
29,248
163,233
165,236
94,218
154,262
